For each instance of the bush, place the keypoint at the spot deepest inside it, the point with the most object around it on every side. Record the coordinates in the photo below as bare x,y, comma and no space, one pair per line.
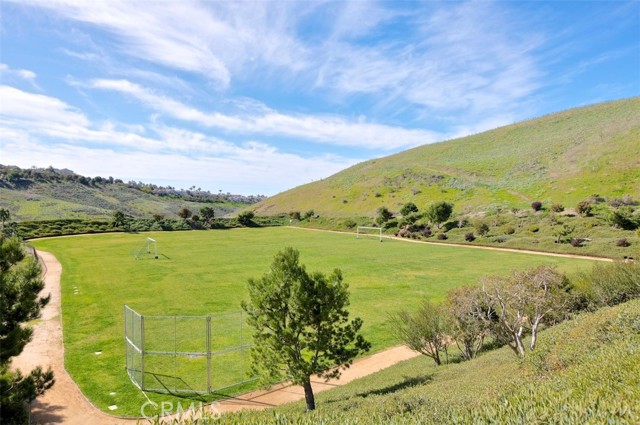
577,242
349,223
584,208
611,284
534,229
408,208
481,227
623,218
623,243
442,236
509,230
246,218
469,237
536,205
557,208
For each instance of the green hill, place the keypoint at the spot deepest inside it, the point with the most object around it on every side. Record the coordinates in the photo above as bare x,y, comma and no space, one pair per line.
563,157
49,193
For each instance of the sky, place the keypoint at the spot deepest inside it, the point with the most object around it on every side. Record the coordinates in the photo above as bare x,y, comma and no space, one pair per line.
257,97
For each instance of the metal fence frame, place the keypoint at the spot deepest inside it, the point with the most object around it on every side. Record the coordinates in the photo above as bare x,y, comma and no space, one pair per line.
137,332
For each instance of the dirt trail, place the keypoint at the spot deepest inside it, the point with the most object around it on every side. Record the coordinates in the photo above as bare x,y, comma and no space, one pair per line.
65,403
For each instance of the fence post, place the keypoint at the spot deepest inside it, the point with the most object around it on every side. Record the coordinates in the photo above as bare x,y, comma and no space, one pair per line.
142,352
208,330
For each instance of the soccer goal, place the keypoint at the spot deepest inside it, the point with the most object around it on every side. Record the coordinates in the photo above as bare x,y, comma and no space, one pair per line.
369,231
149,247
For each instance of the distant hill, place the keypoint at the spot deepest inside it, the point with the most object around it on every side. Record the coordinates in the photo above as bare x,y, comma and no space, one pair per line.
563,157
49,193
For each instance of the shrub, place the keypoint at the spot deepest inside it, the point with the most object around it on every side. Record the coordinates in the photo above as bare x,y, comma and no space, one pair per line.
481,227
426,232
469,237
556,208
308,214
623,218
534,229
577,242
408,208
442,236
623,243
246,218
611,284
584,208
350,224
536,205
509,230
384,215
295,215
500,239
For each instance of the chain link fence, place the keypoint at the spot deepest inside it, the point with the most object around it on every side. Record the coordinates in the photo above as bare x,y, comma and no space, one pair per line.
186,354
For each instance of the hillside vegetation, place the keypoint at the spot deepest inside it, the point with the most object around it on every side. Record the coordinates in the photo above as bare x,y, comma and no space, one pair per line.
49,193
585,371
559,158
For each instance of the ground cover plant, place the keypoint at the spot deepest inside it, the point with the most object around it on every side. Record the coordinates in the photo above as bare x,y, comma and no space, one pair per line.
206,273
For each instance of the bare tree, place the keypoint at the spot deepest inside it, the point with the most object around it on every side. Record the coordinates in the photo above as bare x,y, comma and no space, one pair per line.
522,301
470,316
424,331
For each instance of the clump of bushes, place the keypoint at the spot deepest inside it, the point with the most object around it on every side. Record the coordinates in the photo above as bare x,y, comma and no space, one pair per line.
442,236
469,237
536,205
509,230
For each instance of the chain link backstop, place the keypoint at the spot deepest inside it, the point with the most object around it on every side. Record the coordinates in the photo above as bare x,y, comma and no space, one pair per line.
186,354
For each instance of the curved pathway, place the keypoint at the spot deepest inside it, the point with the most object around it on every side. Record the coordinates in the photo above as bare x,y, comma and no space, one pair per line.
65,403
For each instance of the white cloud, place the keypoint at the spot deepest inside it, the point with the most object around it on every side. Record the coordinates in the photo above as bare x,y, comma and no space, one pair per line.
326,129
253,169
18,105
212,39
42,130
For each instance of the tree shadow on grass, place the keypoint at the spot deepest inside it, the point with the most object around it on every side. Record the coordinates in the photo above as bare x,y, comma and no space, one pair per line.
407,382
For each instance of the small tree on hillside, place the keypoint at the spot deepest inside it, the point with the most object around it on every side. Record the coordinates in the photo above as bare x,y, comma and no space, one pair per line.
424,331
5,215
384,215
207,214
522,301
20,283
301,323
439,213
470,316
246,218
184,213
408,209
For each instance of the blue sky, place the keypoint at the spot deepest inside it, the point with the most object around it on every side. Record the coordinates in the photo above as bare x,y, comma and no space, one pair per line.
258,97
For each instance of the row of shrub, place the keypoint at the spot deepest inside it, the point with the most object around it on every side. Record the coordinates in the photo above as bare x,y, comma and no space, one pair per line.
62,227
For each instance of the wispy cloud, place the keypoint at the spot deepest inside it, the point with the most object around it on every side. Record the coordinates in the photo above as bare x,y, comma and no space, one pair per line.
325,129
38,129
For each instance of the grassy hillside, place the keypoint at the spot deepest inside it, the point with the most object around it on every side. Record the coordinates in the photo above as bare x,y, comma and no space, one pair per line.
584,371
46,194
560,158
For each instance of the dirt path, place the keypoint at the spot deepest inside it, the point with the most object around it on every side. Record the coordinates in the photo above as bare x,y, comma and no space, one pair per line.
65,403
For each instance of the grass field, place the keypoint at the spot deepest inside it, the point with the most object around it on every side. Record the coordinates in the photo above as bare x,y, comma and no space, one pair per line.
202,273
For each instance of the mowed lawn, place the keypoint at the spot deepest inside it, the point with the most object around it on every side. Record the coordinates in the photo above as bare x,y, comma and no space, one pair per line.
206,272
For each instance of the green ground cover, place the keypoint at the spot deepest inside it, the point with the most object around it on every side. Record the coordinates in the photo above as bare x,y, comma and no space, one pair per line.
202,273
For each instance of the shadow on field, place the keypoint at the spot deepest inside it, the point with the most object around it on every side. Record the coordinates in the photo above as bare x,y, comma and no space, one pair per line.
408,382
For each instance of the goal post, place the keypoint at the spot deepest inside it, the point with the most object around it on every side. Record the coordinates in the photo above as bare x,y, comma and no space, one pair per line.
369,231
149,247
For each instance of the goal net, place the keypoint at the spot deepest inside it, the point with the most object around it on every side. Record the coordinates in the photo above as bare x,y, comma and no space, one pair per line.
369,231
149,248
